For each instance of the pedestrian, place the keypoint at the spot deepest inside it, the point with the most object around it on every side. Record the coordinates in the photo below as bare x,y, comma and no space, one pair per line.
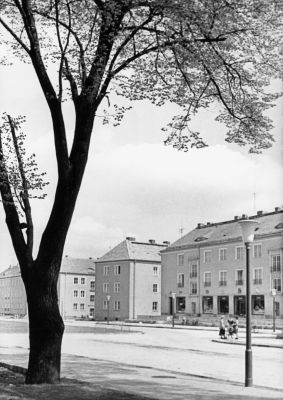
230,323
222,328
236,327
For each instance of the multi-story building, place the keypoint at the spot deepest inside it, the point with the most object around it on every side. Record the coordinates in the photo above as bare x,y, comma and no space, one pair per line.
12,293
76,290
206,269
128,281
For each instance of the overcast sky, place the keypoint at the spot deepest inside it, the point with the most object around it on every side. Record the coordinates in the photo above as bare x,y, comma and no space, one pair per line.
134,185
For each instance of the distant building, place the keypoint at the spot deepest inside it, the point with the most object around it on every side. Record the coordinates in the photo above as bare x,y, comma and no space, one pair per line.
76,290
206,269
12,293
128,281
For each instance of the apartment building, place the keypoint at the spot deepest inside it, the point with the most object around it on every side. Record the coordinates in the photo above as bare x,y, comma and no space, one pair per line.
128,281
76,290
206,269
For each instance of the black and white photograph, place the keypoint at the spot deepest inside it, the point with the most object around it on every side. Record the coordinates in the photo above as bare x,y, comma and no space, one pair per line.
141,199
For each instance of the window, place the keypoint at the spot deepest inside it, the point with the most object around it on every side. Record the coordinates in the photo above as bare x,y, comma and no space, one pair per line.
91,299
180,259
180,280
75,306
106,287
276,284
155,306
75,293
82,293
207,256
82,281
257,304
194,270
105,305
117,287
239,277
223,278
257,276
76,281
117,305
207,279
223,304
180,304
257,250
117,269
155,288
207,304
275,263
194,288
92,284
155,271
106,269
222,254
239,255
82,307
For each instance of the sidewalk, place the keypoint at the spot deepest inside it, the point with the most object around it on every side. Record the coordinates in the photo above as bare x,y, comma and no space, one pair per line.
90,379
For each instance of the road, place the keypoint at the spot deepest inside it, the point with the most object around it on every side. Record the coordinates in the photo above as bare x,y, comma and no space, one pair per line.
182,351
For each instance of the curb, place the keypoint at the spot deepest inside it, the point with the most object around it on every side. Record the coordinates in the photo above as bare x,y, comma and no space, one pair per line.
243,344
14,368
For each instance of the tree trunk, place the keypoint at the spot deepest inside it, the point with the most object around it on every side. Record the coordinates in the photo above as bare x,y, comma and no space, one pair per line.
46,326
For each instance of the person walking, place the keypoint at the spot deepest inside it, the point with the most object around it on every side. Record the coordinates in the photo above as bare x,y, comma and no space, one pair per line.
236,327
222,328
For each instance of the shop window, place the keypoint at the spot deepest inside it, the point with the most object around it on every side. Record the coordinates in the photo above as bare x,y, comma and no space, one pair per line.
257,304
180,304
223,304
207,304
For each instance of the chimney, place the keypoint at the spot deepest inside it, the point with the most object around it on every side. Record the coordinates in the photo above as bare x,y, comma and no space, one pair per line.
259,213
131,239
166,242
244,216
200,225
151,241
277,209
208,223
236,218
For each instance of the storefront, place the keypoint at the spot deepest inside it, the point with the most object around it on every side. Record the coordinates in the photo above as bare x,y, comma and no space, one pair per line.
207,304
223,304
258,307
240,305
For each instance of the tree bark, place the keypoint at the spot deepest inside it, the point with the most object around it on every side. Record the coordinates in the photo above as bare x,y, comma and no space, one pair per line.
46,326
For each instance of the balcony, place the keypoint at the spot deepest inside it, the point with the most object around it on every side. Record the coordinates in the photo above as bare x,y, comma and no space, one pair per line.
193,275
180,284
207,284
275,269
240,282
222,283
257,281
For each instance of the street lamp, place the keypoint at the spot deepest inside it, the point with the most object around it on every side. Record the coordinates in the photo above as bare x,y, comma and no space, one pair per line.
173,308
108,297
248,230
273,293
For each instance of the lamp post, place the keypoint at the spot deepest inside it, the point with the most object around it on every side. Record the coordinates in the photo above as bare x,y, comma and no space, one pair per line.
173,308
248,229
108,297
273,293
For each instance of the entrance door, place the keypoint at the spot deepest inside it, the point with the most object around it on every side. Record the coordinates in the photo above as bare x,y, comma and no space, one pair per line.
277,308
194,308
223,304
239,305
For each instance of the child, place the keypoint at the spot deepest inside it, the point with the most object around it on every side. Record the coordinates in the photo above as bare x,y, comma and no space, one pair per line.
236,327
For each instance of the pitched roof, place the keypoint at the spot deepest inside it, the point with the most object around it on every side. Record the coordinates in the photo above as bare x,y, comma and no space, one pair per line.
69,266
78,265
269,223
131,250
